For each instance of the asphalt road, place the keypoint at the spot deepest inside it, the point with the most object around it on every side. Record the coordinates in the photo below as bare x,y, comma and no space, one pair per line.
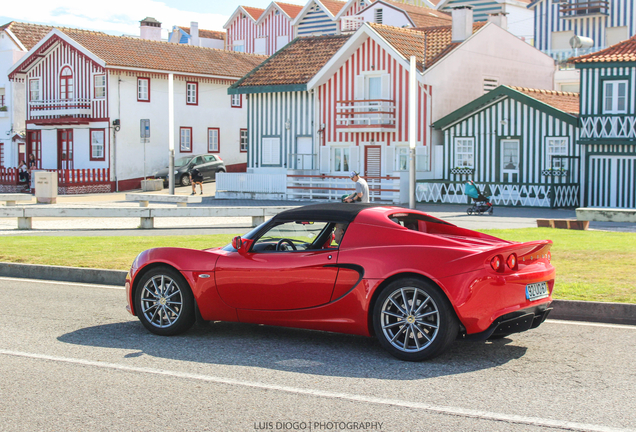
72,358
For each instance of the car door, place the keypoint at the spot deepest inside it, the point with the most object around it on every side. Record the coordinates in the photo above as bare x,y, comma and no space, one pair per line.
198,163
268,279
210,166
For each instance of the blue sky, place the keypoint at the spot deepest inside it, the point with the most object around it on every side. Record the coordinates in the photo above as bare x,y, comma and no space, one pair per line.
122,16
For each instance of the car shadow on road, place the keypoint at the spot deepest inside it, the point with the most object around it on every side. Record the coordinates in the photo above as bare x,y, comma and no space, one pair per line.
293,350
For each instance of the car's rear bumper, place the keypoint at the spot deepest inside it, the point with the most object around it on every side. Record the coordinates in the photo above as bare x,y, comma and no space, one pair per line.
515,322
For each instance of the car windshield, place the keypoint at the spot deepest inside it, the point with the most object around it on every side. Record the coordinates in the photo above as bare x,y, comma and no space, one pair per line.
181,162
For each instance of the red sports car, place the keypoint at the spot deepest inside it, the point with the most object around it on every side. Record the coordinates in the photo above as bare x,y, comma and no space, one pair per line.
412,280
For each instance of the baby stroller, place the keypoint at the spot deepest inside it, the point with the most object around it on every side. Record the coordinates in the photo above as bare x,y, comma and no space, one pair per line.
481,203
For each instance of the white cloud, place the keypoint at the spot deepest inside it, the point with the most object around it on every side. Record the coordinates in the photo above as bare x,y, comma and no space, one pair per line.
115,16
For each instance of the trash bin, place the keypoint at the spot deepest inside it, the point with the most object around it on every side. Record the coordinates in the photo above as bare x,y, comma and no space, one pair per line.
45,187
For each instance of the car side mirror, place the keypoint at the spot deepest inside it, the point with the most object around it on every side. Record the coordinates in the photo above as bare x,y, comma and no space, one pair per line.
237,243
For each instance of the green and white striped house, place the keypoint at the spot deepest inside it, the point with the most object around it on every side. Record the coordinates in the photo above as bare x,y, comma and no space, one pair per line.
518,144
608,126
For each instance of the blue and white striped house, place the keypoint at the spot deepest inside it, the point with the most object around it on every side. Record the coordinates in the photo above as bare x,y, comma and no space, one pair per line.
608,126
605,22
518,144
318,17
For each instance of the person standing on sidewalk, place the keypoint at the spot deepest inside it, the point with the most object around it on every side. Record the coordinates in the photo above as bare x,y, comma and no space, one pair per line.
32,165
361,194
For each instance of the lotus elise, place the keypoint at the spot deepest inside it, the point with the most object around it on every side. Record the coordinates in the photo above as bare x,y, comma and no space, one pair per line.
413,281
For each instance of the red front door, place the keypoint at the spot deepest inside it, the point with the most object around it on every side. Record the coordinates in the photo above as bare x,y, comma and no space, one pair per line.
65,149
277,280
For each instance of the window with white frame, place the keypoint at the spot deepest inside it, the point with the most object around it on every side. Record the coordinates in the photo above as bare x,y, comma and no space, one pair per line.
66,84
239,46
465,152
615,97
185,141
260,45
270,151
401,158
97,144
243,147
192,93
34,89
99,86
213,140
236,101
143,89
340,160
556,146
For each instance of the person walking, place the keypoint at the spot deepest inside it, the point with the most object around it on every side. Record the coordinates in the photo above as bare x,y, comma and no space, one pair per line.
361,194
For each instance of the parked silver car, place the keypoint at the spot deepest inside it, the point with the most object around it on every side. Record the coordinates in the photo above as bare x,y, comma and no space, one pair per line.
207,164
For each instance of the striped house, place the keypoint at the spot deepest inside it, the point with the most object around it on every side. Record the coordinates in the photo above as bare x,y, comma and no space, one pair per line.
608,126
318,17
261,31
520,145
88,92
604,22
344,104
242,30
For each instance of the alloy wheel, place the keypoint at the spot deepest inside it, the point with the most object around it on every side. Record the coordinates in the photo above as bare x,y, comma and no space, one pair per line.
161,301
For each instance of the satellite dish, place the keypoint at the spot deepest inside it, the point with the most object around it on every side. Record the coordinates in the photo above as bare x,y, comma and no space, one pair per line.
581,42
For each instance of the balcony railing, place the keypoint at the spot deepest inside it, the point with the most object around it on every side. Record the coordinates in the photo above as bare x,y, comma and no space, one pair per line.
351,24
579,8
60,107
608,126
366,114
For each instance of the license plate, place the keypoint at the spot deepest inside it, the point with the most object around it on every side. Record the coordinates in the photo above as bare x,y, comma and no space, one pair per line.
537,291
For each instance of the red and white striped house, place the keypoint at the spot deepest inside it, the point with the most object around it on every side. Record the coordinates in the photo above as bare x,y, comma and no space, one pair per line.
261,31
345,104
87,93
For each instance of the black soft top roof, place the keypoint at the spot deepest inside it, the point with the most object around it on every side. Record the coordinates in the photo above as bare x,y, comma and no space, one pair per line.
331,212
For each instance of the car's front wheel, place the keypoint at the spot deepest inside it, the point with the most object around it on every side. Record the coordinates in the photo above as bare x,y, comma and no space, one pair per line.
164,302
185,180
413,320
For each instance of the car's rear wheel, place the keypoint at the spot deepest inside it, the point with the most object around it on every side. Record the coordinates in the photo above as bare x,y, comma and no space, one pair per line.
164,302
185,180
413,320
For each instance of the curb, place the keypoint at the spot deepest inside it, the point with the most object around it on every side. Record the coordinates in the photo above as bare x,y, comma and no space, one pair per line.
65,274
571,310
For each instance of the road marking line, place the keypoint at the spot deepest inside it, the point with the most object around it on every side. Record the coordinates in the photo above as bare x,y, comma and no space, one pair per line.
454,411
592,324
62,283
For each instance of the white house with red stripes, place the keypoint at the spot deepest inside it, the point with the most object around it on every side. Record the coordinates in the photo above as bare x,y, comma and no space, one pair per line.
348,108
88,92
261,31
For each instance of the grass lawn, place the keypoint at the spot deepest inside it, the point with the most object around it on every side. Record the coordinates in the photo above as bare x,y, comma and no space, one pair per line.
591,265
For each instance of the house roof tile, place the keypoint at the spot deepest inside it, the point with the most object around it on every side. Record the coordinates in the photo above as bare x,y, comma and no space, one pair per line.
290,9
621,52
565,101
209,34
333,6
28,34
146,54
255,13
408,42
297,63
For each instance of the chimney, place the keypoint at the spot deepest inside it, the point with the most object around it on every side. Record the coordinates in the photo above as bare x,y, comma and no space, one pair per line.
462,23
500,19
194,33
150,29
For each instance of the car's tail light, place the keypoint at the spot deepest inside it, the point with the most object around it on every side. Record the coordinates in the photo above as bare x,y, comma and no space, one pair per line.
497,263
512,261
